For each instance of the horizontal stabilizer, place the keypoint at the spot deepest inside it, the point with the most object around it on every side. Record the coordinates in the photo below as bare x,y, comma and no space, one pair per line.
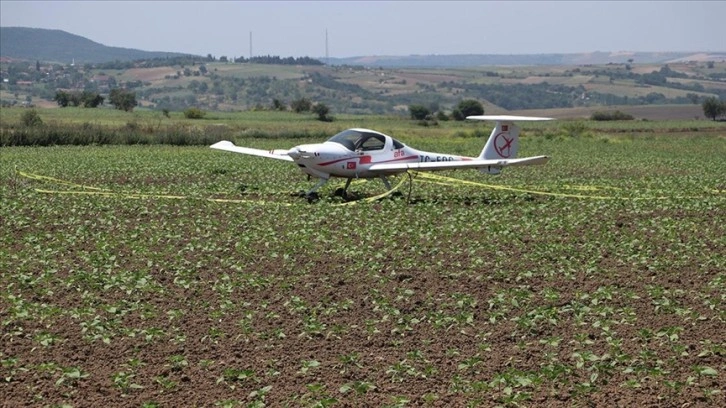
279,154
451,165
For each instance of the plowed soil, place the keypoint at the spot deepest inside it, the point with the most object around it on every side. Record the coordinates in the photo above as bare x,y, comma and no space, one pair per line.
147,306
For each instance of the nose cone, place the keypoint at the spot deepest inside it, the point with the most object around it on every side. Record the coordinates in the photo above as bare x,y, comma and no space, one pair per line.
295,153
305,151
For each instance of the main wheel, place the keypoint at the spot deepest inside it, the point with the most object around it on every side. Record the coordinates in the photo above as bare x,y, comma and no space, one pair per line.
312,197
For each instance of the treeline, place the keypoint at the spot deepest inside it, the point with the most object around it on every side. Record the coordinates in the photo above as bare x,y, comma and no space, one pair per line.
120,98
276,60
191,60
84,99
148,63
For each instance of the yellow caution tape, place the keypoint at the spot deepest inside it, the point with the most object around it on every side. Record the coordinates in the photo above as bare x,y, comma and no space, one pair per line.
438,179
57,181
427,177
108,193
379,196
145,196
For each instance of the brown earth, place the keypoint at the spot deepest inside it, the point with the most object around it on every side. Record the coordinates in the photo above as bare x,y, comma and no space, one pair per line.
220,340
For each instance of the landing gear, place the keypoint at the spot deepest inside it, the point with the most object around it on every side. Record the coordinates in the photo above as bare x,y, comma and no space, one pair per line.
343,191
312,197
386,182
312,194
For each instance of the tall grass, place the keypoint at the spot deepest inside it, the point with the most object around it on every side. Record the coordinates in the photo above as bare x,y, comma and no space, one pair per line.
91,134
78,126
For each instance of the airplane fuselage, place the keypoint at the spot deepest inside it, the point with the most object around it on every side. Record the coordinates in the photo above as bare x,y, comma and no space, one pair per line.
331,159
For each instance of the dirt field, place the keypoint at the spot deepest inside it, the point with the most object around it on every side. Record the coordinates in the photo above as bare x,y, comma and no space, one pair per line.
467,296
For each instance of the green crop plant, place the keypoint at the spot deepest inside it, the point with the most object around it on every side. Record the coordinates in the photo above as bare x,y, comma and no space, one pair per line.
178,263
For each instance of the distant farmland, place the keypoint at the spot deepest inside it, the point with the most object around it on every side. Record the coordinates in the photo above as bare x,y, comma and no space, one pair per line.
374,90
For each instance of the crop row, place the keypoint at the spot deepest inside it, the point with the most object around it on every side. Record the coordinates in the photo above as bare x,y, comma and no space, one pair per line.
465,295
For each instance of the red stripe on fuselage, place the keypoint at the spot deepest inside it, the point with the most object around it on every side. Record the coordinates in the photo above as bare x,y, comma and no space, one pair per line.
337,161
398,159
366,160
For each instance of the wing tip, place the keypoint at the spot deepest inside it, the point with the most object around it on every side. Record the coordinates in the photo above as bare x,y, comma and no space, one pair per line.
222,143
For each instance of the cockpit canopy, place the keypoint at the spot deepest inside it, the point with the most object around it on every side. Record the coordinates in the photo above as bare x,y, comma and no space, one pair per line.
363,140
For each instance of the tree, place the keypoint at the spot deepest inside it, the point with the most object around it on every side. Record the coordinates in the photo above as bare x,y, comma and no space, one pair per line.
470,107
457,115
122,99
62,98
713,108
301,105
322,111
418,112
91,99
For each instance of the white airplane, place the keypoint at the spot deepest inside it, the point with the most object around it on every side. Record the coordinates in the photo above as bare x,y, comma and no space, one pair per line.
364,153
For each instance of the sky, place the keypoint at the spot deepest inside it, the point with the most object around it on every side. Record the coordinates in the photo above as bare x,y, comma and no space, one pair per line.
342,29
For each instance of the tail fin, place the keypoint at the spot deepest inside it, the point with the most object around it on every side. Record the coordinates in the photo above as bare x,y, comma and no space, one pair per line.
503,143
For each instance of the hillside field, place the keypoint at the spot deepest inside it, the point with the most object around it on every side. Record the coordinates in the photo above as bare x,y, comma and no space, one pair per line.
161,276
230,87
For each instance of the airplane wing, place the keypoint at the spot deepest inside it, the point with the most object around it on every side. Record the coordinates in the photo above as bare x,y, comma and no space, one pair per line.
279,154
507,118
451,165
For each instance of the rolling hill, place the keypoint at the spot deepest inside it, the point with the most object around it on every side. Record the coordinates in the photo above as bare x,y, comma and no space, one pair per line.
474,60
60,46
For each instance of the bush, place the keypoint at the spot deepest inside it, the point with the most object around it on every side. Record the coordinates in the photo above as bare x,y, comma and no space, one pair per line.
469,107
31,118
194,113
616,115
301,105
322,111
418,112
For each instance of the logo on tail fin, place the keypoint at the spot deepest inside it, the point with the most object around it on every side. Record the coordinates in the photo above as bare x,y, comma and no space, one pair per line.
503,145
